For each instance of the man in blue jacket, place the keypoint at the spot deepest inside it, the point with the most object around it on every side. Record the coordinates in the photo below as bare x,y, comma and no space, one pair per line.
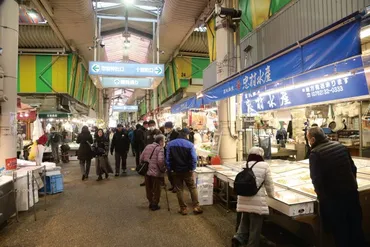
181,160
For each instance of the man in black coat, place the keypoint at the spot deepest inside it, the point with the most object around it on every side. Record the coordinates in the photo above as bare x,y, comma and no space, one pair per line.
333,175
171,134
121,146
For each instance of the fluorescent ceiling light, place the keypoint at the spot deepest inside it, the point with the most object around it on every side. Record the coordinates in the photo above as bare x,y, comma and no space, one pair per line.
365,32
33,15
128,1
305,84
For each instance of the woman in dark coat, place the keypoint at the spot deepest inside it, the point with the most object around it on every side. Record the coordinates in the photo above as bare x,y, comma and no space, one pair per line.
101,146
85,154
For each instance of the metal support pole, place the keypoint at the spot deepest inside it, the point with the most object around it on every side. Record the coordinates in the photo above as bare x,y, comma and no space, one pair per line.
95,42
100,38
15,195
45,185
33,196
28,190
360,128
154,45
157,36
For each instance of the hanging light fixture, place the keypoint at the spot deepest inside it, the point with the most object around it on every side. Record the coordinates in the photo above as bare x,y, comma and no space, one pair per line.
126,43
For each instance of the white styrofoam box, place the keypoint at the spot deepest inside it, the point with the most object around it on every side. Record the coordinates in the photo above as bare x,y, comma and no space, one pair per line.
205,201
49,165
25,199
53,172
205,194
5,180
203,175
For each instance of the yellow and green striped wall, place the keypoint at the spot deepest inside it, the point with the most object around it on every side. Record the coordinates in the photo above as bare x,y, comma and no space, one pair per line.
64,74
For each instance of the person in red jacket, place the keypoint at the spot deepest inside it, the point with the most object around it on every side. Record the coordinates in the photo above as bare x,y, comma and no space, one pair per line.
41,142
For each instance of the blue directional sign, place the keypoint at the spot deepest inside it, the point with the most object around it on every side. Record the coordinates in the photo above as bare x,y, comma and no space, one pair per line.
120,82
126,69
125,108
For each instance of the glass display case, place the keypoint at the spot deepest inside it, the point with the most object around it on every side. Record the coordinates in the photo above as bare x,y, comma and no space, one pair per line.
224,175
284,168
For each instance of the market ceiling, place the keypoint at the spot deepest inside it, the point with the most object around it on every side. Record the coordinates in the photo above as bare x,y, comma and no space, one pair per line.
69,25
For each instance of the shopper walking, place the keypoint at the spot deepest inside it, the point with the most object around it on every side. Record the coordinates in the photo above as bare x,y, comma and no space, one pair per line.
131,136
253,208
54,141
154,155
171,134
139,141
152,132
84,153
182,161
333,175
120,145
101,146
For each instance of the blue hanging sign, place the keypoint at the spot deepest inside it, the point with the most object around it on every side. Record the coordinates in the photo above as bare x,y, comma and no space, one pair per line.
126,69
118,82
335,46
334,87
190,103
125,108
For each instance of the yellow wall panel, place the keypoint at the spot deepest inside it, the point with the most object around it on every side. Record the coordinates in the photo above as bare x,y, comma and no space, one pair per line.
60,75
27,72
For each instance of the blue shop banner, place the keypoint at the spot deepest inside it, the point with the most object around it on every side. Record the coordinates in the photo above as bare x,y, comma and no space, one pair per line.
340,44
190,103
335,87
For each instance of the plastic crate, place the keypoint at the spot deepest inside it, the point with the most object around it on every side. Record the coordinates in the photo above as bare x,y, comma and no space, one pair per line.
54,184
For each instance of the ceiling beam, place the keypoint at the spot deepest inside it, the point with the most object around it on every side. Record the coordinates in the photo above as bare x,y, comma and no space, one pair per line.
123,18
131,30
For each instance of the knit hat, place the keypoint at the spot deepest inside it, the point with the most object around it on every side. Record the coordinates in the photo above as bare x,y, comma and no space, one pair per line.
168,125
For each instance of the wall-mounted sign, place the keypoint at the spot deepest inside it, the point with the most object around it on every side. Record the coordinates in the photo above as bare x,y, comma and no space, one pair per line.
53,115
126,69
125,108
112,82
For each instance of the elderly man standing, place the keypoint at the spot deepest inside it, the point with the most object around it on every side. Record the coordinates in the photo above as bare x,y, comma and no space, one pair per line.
333,175
181,159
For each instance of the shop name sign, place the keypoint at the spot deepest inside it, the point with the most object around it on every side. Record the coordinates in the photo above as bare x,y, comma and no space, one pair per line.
126,69
53,115
347,86
125,108
111,82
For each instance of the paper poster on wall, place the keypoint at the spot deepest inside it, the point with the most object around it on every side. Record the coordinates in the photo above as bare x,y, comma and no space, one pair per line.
215,148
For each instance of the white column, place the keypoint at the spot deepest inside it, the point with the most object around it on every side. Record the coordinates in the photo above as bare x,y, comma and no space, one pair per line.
9,14
226,67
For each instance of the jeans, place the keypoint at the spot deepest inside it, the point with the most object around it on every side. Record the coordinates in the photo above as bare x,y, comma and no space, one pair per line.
121,158
85,167
55,152
153,189
185,177
249,231
342,217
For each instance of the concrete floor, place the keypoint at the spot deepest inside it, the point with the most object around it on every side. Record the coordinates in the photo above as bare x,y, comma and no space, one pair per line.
114,212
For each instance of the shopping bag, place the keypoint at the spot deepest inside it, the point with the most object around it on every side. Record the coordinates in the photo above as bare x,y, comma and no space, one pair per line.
33,152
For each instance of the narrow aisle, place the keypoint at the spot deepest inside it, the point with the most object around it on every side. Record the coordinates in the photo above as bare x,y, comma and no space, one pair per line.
114,212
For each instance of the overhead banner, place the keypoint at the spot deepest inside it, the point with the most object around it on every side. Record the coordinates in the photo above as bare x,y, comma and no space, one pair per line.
113,82
337,45
190,103
125,108
310,88
126,69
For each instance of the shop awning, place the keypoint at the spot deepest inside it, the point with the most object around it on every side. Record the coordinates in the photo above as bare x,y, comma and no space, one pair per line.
187,104
332,44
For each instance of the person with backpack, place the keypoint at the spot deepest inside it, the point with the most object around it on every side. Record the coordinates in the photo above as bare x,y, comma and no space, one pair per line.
251,186
54,140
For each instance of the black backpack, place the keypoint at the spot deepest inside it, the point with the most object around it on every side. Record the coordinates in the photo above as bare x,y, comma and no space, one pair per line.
245,183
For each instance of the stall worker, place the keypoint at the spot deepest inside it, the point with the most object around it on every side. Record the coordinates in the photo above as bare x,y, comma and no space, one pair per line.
120,145
41,142
54,141
333,175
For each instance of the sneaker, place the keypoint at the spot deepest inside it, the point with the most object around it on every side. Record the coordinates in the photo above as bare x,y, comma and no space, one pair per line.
83,177
117,175
198,210
174,190
99,178
155,207
142,184
106,176
171,189
123,172
183,211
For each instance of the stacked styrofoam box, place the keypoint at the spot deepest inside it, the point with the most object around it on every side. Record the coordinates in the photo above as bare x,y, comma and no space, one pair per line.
204,178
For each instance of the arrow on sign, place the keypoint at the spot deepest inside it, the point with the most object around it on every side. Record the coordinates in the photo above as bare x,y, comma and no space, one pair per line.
96,68
158,70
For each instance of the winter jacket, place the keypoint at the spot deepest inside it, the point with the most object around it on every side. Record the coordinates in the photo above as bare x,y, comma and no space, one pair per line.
172,135
120,142
150,136
332,170
139,139
181,156
258,204
84,151
101,145
156,163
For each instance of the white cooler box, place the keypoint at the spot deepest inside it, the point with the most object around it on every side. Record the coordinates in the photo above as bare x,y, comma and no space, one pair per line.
205,194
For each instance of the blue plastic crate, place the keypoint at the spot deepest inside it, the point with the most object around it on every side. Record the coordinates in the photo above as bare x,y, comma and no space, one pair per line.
54,184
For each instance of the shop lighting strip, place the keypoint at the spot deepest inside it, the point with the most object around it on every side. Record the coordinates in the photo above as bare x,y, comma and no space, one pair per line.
307,83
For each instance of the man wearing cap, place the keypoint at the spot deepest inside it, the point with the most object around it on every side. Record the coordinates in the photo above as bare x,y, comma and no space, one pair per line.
182,161
171,135
121,146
